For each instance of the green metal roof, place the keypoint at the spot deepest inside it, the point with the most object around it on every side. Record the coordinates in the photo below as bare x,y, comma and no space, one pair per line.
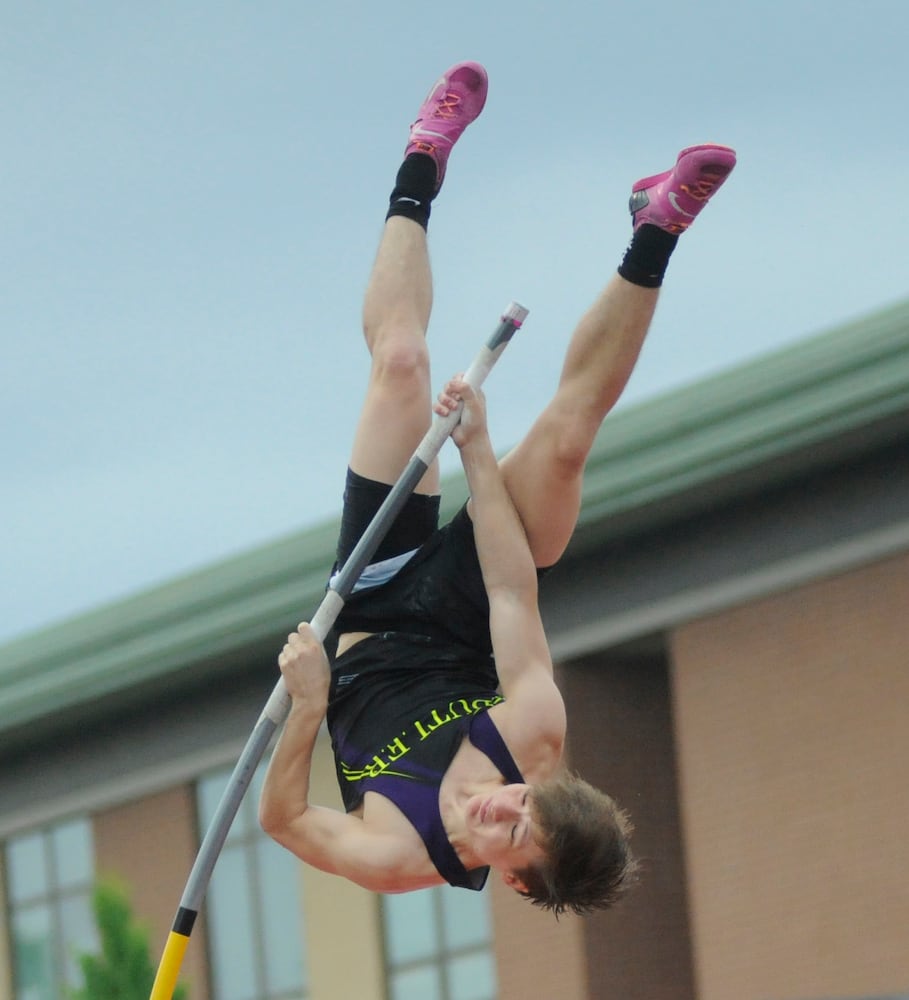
807,399
786,403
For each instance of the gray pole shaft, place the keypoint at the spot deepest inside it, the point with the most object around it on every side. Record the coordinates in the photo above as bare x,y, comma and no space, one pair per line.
278,705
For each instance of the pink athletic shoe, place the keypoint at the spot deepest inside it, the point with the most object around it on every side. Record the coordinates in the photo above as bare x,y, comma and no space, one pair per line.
455,100
672,200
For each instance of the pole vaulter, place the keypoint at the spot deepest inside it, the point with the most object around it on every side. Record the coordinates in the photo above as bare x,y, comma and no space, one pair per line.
278,705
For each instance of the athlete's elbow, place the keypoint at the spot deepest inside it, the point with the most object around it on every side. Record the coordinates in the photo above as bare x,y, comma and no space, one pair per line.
268,823
274,818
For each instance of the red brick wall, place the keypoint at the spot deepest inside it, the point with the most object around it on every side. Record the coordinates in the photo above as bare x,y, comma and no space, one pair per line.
151,845
537,956
792,716
621,740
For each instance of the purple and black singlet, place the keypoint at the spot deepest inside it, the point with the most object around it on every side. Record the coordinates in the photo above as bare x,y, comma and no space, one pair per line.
403,699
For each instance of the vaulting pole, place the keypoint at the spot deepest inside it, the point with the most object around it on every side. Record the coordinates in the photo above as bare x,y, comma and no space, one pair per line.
278,704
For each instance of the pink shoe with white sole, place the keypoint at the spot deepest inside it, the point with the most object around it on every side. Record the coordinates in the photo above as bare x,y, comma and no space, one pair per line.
672,200
455,100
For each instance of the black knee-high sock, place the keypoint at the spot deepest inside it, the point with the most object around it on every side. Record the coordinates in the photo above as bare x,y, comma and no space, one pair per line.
414,190
647,256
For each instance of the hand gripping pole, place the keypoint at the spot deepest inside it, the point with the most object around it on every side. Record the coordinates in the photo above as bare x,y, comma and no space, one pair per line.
278,705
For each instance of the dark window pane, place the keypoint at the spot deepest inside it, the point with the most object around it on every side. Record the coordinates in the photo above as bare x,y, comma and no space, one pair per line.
282,923
410,926
26,867
71,844
417,984
472,977
33,954
230,929
465,918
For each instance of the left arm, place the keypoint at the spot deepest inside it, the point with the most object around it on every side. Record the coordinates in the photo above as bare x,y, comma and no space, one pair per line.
330,840
285,794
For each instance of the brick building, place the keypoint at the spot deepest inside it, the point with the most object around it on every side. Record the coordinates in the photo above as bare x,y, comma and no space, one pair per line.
731,632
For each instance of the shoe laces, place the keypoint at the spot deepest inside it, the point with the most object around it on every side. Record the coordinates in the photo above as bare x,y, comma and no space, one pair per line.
706,184
447,105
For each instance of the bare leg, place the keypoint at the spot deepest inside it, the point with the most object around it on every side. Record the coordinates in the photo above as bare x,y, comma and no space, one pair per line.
396,411
544,472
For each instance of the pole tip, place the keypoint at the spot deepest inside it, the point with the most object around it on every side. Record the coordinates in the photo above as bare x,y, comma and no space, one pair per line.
516,313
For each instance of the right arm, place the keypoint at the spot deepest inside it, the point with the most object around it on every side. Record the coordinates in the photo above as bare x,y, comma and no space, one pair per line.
505,558
534,713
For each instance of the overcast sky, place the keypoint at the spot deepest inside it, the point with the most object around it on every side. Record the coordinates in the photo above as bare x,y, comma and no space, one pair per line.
192,194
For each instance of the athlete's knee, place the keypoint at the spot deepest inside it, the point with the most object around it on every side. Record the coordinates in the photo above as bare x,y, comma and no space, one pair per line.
570,442
399,361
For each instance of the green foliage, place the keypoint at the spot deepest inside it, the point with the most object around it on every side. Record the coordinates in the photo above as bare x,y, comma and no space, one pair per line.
123,970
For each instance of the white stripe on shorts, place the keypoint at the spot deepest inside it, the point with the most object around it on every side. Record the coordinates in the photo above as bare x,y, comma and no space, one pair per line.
378,573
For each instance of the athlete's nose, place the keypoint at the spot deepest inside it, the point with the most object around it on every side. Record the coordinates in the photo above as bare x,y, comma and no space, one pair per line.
511,806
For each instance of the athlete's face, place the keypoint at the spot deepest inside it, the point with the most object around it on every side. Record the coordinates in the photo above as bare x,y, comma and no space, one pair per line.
502,827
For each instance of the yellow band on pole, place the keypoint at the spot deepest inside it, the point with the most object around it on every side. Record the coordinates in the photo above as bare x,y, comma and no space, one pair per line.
169,967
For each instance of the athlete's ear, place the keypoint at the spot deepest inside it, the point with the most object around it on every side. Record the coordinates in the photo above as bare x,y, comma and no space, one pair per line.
514,881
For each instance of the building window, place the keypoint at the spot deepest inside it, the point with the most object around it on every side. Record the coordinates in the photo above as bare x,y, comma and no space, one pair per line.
253,910
438,945
49,876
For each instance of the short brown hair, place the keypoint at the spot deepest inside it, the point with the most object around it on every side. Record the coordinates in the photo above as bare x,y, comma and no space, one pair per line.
588,863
